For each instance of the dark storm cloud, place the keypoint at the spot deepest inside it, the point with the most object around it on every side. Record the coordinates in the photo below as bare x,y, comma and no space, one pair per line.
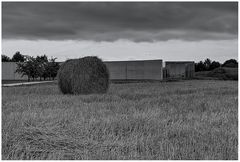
136,21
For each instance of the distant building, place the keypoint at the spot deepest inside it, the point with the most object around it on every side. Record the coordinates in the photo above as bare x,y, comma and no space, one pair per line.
127,70
179,69
135,70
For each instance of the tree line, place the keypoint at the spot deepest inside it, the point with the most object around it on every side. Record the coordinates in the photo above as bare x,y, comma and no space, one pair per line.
34,67
208,65
17,57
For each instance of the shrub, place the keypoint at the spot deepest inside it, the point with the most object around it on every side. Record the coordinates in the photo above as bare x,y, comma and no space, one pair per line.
232,63
224,73
206,65
18,57
214,65
83,76
6,58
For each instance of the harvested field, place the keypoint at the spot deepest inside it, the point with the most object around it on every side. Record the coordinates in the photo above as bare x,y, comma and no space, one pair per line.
170,120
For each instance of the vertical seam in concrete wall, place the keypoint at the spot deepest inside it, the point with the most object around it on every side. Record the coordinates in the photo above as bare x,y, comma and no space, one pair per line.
161,70
14,76
126,77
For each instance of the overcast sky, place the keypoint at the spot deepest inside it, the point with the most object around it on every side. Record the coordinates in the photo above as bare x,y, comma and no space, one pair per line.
121,30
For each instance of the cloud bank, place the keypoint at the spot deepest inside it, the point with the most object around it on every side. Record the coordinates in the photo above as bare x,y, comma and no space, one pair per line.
111,21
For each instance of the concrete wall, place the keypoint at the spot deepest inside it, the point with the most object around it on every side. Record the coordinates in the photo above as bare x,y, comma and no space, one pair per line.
190,70
8,72
144,69
119,70
180,69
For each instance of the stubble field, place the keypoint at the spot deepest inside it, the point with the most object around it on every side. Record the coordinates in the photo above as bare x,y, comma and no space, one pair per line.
195,119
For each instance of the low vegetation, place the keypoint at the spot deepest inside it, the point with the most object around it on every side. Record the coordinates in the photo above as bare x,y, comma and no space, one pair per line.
35,68
222,73
169,120
39,67
209,65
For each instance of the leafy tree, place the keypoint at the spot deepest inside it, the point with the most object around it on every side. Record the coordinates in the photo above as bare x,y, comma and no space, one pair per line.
230,63
42,64
28,68
52,68
39,67
214,65
6,58
33,65
23,68
18,57
42,58
207,64
200,66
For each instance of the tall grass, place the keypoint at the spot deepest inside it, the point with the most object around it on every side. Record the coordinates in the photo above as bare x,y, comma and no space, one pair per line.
175,120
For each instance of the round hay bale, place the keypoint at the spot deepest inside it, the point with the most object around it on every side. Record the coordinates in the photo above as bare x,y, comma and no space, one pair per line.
83,76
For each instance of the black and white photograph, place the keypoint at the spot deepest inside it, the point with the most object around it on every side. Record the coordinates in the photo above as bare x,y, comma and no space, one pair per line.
119,80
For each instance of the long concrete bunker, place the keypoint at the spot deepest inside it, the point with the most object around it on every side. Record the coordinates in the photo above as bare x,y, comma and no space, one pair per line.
179,69
127,70
135,70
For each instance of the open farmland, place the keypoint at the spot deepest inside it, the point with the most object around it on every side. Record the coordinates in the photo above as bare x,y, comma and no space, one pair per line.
170,120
